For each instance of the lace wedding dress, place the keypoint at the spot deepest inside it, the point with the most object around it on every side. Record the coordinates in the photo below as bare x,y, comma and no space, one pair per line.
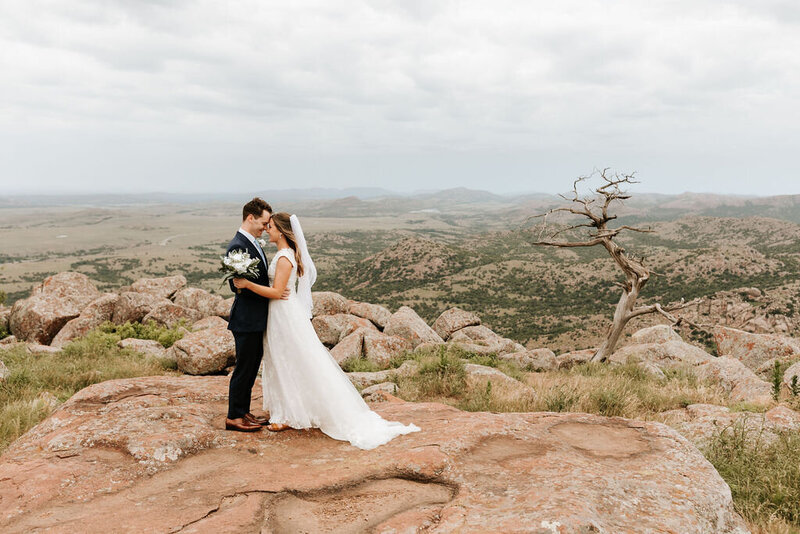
303,385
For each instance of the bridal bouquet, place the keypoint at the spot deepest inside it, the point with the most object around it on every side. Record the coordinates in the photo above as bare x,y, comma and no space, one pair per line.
238,264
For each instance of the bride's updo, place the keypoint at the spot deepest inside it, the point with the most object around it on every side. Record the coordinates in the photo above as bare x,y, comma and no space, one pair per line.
284,225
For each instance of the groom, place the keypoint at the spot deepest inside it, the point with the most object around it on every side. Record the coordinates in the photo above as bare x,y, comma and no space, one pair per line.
248,321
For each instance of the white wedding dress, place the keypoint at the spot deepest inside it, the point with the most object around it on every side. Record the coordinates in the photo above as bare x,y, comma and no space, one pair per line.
303,385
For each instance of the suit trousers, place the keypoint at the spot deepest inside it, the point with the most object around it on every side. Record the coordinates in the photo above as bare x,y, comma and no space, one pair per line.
249,351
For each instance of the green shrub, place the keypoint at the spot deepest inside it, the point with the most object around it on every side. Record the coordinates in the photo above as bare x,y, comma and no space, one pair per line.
165,336
359,365
443,374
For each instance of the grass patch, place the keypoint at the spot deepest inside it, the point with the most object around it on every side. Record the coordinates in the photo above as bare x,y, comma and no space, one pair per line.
83,362
165,336
359,365
764,475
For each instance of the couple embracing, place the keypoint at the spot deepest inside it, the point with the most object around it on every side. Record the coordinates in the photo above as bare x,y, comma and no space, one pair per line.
303,385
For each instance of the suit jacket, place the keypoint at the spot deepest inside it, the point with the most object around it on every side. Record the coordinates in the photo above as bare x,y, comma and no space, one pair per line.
249,311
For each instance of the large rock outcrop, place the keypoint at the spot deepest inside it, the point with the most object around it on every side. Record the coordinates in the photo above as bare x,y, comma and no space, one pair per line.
405,323
207,351
162,288
135,450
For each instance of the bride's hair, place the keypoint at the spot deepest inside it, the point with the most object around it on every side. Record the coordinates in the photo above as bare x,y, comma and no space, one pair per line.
284,225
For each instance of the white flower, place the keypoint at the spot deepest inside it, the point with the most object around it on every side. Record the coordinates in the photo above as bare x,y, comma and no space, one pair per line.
262,242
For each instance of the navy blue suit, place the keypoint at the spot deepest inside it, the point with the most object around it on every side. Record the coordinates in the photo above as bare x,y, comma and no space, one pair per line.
248,322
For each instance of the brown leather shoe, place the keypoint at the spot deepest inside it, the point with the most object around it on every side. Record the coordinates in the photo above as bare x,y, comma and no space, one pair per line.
250,418
241,425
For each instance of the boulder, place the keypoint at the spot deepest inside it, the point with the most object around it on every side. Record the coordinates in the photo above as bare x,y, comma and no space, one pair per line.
576,357
375,313
132,306
124,449
753,350
210,322
96,313
660,333
742,383
52,304
145,346
224,308
4,372
352,346
666,354
200,300
452,320
380,348
40,317
536,359
405,323
482,340
329,303
162,288
169,314
5,313
73,288
204,352
331,329
9,340
793,370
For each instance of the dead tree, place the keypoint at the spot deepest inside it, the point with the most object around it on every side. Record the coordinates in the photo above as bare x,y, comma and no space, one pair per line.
595,208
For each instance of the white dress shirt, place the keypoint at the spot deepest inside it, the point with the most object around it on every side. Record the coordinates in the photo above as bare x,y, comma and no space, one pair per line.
255,244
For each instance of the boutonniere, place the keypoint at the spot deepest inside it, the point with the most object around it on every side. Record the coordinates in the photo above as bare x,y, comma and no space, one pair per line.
262,242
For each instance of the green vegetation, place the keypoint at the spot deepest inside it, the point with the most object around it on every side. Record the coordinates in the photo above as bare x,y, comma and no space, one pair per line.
33,379
777,379
359,365
764,475
165,336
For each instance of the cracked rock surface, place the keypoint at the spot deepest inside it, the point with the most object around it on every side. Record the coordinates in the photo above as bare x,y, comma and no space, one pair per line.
149,455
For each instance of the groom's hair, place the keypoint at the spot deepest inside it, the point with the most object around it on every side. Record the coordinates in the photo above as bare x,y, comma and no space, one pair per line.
255,208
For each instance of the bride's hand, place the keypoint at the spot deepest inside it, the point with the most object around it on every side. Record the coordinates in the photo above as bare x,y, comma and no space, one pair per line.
241,283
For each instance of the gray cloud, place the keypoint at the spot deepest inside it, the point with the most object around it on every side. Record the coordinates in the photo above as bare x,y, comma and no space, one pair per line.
510,95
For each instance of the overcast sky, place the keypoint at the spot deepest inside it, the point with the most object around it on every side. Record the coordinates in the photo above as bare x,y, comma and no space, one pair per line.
161,95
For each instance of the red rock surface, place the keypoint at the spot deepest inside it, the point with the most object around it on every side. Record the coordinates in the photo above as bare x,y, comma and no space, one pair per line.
162,288
753,350
148,455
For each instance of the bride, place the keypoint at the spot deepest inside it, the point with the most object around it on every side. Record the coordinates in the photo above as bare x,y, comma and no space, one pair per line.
303,385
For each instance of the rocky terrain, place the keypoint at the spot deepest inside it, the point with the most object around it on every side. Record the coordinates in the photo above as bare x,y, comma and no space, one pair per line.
152,449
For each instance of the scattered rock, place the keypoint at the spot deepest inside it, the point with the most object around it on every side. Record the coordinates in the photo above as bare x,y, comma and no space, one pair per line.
352,346
204,352
452,320
783,418
331,329
667,354
652,369
380,348
482,340
405,323
5,313
375,393
536,359
125,448
36,348
132,306
162,288
4,372
362,380
329,303
48,399
169,314
660,333
145,346
9,340
200,300
738,380
210,322
576,357
502,384
375,313
753,350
